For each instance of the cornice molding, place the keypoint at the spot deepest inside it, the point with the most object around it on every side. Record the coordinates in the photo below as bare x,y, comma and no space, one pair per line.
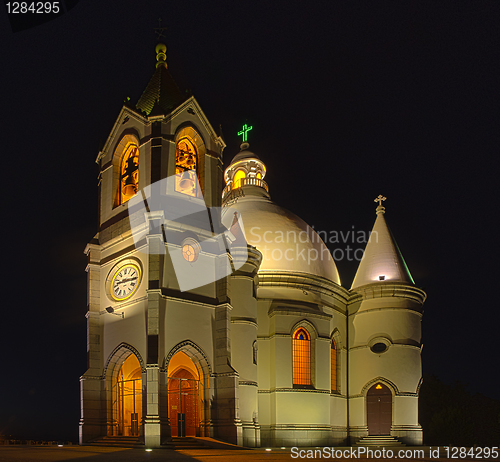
303,281
387,289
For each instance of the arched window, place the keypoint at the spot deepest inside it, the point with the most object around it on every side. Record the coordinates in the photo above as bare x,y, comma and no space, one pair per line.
239,175
333,366
126,170
301,357
186,162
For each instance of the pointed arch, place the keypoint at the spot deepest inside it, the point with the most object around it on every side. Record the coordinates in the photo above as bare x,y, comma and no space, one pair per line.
391,385
118,355
379,409
200,361
126,168
196,354
335,366
303,335
117,411
189,161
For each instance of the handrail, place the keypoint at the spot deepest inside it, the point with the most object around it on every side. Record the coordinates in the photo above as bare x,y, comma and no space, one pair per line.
246,182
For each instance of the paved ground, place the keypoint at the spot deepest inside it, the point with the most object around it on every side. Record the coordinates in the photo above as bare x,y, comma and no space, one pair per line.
104,454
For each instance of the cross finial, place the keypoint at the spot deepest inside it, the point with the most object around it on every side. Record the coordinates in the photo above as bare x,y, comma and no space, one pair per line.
379,199
159,31
244,131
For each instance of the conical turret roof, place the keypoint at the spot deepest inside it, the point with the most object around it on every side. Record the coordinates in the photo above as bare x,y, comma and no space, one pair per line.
161,93
382,260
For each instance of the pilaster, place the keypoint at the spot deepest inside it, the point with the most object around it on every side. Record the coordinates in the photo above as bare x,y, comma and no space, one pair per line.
152,419
92,420
226,421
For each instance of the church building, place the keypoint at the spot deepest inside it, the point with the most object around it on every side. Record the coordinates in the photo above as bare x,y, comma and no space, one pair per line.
214,312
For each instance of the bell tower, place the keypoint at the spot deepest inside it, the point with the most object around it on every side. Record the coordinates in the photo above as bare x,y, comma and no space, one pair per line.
147,332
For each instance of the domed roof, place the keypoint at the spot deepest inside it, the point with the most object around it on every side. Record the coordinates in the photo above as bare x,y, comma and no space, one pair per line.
244,154
287,243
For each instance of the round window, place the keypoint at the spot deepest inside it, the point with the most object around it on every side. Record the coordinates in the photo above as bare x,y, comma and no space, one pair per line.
378,347
190,250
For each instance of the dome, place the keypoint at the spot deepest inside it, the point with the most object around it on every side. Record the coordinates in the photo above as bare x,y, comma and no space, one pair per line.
244,154
287,243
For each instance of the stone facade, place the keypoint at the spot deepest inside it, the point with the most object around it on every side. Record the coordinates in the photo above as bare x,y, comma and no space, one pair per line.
235,333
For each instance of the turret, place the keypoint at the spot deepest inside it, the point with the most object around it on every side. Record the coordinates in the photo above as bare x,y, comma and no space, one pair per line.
384,321
246,172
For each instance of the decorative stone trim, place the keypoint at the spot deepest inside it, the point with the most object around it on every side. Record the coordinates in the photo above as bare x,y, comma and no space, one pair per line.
124,346
299,311
403,345
419,385
391,308
304,281
386,289
187,345
91,377
242,320
226,374
385,381
248,382
295,390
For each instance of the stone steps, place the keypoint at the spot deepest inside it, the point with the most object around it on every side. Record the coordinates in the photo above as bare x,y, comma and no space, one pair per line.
118,442
135,442
185,443
379,441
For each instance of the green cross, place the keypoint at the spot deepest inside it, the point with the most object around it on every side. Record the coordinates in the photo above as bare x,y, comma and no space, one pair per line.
244,131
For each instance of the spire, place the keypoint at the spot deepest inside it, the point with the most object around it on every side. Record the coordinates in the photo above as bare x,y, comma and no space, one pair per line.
161,91
382,260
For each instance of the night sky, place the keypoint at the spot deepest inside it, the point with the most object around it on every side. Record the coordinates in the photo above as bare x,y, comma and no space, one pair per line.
347,99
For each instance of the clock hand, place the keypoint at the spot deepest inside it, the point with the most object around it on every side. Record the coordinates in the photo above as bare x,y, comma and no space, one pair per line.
126,280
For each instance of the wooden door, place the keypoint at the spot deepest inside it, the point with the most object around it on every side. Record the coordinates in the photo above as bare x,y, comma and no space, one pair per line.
379,410
183,403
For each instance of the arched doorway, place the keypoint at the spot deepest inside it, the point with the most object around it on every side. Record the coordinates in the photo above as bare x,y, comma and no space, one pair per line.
184,390
379,410
127,397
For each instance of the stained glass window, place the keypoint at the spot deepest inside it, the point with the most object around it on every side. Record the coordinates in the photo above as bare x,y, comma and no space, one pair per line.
333,366
301,357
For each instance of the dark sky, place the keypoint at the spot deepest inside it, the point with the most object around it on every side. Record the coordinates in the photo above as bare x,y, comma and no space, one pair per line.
347,99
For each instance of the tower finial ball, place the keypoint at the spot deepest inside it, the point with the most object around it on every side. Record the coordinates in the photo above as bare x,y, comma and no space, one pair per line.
161,48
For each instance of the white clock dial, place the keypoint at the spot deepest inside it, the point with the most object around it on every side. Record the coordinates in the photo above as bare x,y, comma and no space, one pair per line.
125,282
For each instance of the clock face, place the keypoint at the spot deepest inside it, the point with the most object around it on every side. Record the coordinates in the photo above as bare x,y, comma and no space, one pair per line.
125,282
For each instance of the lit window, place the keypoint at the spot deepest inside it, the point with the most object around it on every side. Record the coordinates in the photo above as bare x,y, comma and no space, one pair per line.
301,357
238,176
333,366
129,172
186,160
190,250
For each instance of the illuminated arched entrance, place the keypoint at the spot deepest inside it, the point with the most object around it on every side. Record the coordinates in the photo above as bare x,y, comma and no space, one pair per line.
379,410
127,397
185,389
